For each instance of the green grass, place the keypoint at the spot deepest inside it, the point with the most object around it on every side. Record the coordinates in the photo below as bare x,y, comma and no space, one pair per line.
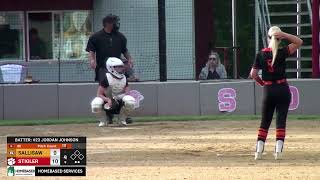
32,122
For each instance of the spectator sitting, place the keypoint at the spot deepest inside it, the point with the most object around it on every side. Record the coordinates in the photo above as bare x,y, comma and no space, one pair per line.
213,69
129,71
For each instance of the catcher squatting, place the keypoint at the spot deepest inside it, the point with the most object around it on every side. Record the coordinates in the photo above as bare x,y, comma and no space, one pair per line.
112,95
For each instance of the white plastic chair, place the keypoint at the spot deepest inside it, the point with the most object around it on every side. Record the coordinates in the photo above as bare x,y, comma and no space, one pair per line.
11,73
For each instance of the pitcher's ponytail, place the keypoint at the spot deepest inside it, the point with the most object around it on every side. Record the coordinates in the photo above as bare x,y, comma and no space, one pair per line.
274,42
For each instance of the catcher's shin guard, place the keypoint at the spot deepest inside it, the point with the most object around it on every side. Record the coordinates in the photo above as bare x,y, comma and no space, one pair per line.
123,115
97,110
129,102
101,117
125,112
126,109
96,105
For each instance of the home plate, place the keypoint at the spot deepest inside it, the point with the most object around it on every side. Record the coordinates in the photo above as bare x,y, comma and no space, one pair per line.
125,128
251,154
242,154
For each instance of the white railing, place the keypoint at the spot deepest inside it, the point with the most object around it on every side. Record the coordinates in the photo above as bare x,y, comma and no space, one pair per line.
262,13
309,10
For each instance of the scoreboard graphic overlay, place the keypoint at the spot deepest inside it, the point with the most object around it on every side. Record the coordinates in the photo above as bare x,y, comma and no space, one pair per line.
46,156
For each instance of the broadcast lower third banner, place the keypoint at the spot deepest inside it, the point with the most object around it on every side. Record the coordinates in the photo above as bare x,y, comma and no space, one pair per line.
45,171
46,156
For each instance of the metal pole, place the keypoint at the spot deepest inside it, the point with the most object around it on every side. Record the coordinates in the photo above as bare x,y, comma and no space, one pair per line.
162,40
234,39
298,30
315,39
256,25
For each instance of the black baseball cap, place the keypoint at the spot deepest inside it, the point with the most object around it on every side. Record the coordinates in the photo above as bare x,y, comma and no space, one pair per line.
110,18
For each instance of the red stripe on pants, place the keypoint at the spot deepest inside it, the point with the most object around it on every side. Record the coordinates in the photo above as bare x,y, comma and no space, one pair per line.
262,134
280,134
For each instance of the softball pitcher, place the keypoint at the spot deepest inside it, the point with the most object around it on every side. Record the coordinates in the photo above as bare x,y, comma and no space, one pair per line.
276,93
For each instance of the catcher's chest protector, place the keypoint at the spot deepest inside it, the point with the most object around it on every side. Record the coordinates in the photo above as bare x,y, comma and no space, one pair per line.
117,85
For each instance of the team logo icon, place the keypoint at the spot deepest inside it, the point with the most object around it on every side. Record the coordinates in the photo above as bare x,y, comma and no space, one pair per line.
10,171
11,161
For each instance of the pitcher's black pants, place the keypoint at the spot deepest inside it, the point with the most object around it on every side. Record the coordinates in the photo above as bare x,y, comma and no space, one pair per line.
275,97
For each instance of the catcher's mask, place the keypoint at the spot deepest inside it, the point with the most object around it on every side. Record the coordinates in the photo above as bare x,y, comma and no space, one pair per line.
115,67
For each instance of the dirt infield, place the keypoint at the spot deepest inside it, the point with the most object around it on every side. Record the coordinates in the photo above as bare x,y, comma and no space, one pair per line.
186,150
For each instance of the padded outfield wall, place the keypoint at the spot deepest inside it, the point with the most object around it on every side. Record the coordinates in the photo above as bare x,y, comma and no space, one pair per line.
45,101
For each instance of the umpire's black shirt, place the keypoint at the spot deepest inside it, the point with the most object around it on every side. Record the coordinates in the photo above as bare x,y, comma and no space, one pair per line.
106,45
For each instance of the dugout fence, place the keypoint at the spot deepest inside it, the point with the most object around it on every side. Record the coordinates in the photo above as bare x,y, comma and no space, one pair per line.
49,42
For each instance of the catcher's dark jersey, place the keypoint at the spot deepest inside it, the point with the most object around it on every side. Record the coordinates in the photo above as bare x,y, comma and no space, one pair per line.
263,61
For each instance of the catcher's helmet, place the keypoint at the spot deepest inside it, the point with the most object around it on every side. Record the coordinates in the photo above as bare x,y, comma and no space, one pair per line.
111,63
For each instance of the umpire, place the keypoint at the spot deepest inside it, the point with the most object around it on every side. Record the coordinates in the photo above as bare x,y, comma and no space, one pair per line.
108,42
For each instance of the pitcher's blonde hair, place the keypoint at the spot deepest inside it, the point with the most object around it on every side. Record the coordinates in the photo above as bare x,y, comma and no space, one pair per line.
274,42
